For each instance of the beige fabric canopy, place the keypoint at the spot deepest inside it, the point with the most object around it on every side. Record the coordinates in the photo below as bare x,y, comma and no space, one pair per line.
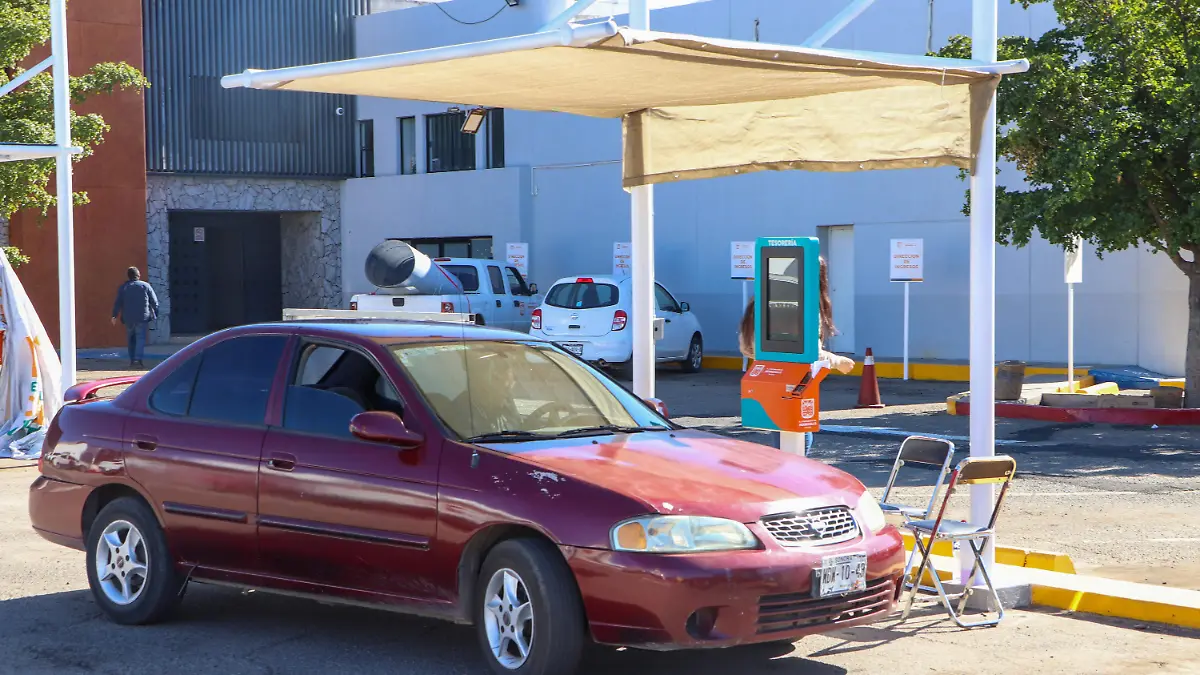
694,107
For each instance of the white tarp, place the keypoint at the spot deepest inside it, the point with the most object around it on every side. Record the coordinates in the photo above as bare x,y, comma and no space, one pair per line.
30,372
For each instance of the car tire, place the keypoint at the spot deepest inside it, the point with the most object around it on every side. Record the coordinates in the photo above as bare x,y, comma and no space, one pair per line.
694,361
136,584
521,573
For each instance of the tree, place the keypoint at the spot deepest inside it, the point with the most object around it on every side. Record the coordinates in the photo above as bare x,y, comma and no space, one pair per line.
1106,128
27,114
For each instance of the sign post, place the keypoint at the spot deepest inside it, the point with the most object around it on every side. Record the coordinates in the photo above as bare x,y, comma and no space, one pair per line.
741,268
1073,272
622,258
908,267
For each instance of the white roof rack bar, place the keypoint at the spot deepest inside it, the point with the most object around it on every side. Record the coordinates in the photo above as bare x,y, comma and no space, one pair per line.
385,315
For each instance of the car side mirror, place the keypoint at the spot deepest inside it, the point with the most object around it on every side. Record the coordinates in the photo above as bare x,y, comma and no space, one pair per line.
533,289
685,307
379,426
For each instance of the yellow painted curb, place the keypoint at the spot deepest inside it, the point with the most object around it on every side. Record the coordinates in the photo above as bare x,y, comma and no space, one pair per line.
1123,600
889,370
1005,555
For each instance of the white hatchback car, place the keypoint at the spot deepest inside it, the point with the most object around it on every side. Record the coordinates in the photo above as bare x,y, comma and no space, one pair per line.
588,317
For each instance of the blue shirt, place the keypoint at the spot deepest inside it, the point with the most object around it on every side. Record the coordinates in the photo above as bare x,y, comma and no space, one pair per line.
136,303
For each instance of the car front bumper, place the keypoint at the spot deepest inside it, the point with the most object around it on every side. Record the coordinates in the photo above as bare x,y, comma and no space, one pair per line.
666,602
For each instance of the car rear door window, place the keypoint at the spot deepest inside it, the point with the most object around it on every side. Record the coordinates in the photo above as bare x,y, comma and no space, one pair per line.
583,295
467,276
173,395
235,379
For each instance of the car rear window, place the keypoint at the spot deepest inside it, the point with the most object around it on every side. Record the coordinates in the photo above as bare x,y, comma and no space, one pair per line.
584,295
467,276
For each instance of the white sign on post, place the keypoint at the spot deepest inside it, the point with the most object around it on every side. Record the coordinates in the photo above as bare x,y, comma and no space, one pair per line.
622,259
741,260
908,267
518,257
908,260
1074,263
1073,274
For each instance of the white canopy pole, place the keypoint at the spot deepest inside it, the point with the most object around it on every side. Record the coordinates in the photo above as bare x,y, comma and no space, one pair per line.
642,199
66,225
983,278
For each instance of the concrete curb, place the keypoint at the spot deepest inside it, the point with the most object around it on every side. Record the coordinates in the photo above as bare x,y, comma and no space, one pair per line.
1013,557
959,405
894,370
1086,594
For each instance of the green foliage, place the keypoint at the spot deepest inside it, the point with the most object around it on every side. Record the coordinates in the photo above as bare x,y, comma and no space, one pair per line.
27,114
15,257
1105,126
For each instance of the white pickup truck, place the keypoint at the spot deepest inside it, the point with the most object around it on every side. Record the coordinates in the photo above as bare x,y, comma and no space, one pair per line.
495,293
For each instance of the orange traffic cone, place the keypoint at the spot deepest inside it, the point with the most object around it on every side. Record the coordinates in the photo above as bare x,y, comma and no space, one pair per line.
868,392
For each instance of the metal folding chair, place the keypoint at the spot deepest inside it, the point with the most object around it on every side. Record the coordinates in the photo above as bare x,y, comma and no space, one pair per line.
971,471
919,452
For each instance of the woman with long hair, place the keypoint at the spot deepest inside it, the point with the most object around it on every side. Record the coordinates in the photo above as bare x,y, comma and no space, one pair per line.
837,362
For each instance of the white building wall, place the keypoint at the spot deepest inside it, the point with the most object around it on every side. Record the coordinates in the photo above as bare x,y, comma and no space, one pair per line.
562,194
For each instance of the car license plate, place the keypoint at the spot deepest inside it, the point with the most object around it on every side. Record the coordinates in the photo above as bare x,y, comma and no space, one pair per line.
575,348
840,575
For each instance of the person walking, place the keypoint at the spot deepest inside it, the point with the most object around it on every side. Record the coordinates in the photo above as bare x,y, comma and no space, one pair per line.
837,362
136,306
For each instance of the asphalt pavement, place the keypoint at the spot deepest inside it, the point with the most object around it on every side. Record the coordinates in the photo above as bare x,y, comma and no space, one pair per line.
1080,490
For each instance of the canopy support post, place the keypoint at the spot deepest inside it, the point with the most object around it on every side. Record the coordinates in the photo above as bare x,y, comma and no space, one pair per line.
837,23
27,75
65,192
983,278
642,200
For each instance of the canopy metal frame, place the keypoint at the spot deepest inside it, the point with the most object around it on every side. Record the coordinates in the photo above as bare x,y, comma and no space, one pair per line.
61,151
562,31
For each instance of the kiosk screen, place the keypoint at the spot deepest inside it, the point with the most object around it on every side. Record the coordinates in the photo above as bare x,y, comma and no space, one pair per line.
782,315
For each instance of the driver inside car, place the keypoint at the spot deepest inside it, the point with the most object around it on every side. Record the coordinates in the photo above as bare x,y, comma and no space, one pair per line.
491,391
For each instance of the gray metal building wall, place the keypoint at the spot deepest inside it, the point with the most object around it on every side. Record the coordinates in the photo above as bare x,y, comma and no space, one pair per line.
194,126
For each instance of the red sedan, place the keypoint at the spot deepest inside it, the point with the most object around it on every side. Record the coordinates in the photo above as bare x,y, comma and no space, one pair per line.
466,473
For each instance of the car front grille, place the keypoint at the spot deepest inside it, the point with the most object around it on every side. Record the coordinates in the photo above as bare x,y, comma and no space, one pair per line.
815,527
786,612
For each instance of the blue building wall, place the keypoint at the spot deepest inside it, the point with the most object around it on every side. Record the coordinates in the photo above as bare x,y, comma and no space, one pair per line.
561,193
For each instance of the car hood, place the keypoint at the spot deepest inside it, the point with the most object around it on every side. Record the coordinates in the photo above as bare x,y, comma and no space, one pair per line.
697,473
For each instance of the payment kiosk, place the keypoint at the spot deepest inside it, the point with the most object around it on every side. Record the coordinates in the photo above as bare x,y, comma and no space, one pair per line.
780,390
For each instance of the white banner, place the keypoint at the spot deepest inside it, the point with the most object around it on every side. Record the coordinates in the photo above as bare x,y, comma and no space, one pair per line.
908,260
30,372
741,260
518,257
622,259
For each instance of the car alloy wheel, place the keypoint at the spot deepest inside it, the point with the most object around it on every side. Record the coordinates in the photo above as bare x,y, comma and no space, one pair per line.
122,562
695,356
508,618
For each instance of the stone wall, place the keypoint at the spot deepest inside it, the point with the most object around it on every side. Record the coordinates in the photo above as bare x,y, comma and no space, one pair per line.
311,235
3,231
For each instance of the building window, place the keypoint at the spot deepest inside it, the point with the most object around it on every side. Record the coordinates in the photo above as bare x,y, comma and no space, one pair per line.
366,148
454,247
448,148
408,145
495,138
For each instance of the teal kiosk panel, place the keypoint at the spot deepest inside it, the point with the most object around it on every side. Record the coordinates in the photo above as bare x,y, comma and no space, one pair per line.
787,310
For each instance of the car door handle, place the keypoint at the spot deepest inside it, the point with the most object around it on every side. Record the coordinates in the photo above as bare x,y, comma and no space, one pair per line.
142,442
499,304
516,303
666,321
282,462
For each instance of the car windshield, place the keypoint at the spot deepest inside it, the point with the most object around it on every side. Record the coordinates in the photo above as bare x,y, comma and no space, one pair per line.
489,391
583,295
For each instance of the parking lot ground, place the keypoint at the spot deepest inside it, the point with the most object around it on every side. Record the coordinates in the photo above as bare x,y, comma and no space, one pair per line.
1120,501
49,623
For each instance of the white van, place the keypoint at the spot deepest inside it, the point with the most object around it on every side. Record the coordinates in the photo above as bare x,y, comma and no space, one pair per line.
494,292
588,317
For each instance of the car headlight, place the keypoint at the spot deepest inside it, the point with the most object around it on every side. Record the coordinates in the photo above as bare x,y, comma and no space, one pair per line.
870,513
681,534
